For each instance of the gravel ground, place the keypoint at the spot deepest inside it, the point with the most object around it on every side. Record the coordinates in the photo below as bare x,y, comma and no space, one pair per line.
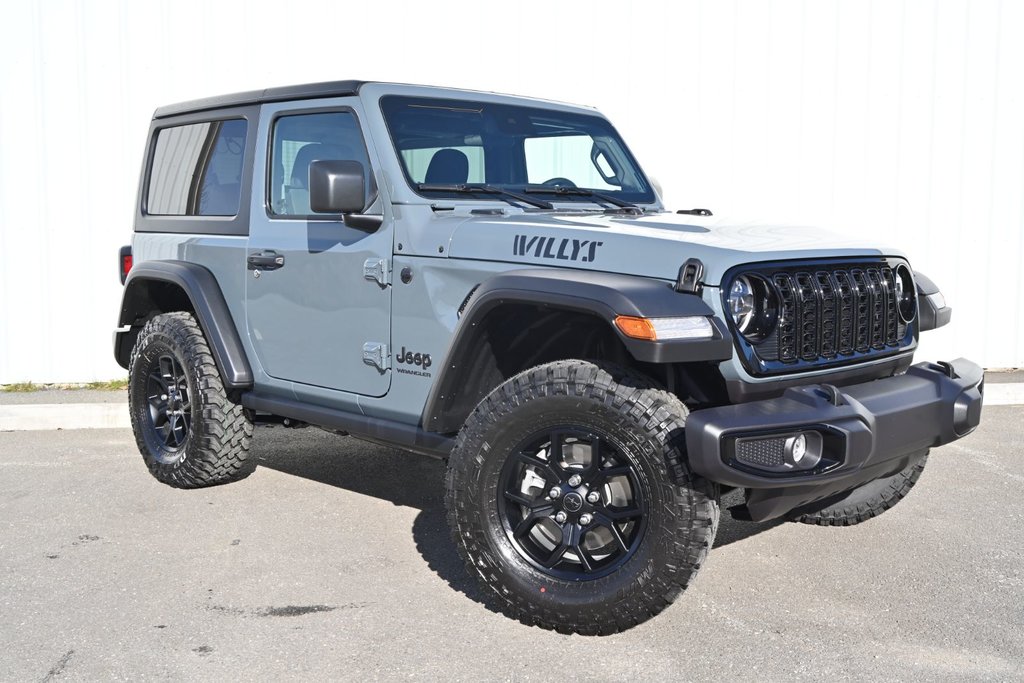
332,561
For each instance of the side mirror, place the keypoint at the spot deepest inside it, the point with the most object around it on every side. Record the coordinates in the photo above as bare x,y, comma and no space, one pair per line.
337,186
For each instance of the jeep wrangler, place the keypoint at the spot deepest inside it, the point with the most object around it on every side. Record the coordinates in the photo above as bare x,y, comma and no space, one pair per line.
494,281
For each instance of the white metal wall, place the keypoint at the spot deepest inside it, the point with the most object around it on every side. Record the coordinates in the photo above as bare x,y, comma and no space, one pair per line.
901,119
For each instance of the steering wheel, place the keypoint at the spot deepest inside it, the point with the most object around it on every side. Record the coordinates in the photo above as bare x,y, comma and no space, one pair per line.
559,182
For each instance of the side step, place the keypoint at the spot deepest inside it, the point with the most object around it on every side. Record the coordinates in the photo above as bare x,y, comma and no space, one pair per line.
378,430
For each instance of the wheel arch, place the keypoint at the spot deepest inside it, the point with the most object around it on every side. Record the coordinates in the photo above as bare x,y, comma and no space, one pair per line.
164,286
520,319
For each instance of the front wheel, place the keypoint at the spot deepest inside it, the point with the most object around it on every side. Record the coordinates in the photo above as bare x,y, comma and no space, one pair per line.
568,494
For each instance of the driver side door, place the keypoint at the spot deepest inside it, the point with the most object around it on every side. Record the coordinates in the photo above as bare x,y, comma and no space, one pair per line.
311,316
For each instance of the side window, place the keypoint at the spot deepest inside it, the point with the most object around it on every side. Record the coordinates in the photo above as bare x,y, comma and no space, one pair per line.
569,157
418,161
299,140
197,169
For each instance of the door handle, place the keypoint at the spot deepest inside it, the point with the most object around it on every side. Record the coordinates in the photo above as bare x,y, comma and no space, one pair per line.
266,260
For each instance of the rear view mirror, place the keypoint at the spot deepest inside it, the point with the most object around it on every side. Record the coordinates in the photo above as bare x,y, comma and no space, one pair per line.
337,186
605,165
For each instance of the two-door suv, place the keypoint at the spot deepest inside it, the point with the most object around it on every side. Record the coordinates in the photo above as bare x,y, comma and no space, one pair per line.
493,280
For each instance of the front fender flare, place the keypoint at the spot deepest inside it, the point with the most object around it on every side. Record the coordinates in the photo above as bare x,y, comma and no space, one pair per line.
603,295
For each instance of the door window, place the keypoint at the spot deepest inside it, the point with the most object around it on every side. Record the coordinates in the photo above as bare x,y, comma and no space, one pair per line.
301,139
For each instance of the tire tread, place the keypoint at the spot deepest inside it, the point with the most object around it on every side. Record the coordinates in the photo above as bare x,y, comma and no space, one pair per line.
848,513
225,432
643,405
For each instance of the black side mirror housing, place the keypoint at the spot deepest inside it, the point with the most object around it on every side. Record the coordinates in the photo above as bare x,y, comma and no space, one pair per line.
337,186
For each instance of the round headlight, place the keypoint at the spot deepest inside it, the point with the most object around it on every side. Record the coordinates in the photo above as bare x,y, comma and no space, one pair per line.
751,302
906,299
741,302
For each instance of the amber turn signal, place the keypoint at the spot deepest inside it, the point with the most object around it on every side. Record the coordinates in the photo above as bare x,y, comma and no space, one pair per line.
637,328
665,329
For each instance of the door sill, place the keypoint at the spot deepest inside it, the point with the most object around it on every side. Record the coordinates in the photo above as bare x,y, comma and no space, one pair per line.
376,429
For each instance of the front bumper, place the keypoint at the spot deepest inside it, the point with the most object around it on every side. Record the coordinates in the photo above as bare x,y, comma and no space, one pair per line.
869,430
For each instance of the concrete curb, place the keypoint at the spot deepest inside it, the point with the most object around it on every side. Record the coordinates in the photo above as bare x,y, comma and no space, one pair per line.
64,416
45,416
1010,394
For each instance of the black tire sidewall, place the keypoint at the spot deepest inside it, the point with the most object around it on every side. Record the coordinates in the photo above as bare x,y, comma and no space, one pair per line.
152,344
634,444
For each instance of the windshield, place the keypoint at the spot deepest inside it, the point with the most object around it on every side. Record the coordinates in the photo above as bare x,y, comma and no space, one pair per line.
457,142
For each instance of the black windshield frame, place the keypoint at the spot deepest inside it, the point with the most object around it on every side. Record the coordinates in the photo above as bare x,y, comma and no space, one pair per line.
506,126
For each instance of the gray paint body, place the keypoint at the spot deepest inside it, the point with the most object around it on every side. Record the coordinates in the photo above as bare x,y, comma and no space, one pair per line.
303,326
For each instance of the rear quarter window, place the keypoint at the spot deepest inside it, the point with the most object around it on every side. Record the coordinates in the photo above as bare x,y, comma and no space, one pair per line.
197,169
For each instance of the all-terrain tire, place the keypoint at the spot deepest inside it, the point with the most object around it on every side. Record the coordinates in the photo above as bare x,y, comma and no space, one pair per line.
866,501
205,442
643,426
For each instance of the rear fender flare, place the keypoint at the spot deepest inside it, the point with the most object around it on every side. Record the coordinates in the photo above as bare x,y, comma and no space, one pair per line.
208,304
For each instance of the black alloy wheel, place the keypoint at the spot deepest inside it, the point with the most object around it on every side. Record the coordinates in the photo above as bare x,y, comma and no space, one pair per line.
571,504
170,407
569,497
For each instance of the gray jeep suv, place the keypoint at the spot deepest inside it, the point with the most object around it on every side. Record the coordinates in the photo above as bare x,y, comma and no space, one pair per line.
494,281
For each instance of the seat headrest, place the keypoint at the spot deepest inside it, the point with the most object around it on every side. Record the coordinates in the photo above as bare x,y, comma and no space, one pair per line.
448,166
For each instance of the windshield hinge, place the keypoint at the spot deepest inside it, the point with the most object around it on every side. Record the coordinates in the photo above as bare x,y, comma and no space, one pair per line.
691,275
377,269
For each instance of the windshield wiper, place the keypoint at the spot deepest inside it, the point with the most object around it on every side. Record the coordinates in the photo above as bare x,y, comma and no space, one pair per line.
473,188
583,192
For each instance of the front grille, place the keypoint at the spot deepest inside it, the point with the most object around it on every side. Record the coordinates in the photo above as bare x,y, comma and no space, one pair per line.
829,313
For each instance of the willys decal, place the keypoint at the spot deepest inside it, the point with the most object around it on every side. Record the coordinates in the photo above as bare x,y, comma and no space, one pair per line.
562,249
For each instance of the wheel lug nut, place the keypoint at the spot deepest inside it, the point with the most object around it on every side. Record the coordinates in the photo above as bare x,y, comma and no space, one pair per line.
593,497
575,480
555,492
560,517
585,519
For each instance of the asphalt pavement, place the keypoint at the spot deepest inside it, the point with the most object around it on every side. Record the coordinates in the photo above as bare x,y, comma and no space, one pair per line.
332,561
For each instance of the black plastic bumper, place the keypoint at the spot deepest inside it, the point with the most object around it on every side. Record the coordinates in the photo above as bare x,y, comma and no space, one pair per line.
869,430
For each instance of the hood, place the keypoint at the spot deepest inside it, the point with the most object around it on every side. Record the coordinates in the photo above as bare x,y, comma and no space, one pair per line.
655,245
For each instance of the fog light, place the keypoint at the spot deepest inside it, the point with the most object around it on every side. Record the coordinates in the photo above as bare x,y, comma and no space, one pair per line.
781,453
803,450
796,448
786,453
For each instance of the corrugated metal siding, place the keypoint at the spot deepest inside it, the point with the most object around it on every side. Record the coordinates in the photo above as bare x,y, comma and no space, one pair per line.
899,119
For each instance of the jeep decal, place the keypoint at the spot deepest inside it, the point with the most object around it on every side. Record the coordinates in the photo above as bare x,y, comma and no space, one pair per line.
565,249
421,360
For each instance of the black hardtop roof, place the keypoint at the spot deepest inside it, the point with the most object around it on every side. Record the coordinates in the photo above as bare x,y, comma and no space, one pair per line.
305,91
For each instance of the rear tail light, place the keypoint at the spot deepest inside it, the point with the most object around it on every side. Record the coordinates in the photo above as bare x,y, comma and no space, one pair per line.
124,262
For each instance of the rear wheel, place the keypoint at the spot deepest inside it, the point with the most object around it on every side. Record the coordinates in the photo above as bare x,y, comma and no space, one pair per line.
190,433
866,501
569,497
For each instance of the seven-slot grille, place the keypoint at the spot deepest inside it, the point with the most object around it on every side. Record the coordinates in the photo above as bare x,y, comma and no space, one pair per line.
829,314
